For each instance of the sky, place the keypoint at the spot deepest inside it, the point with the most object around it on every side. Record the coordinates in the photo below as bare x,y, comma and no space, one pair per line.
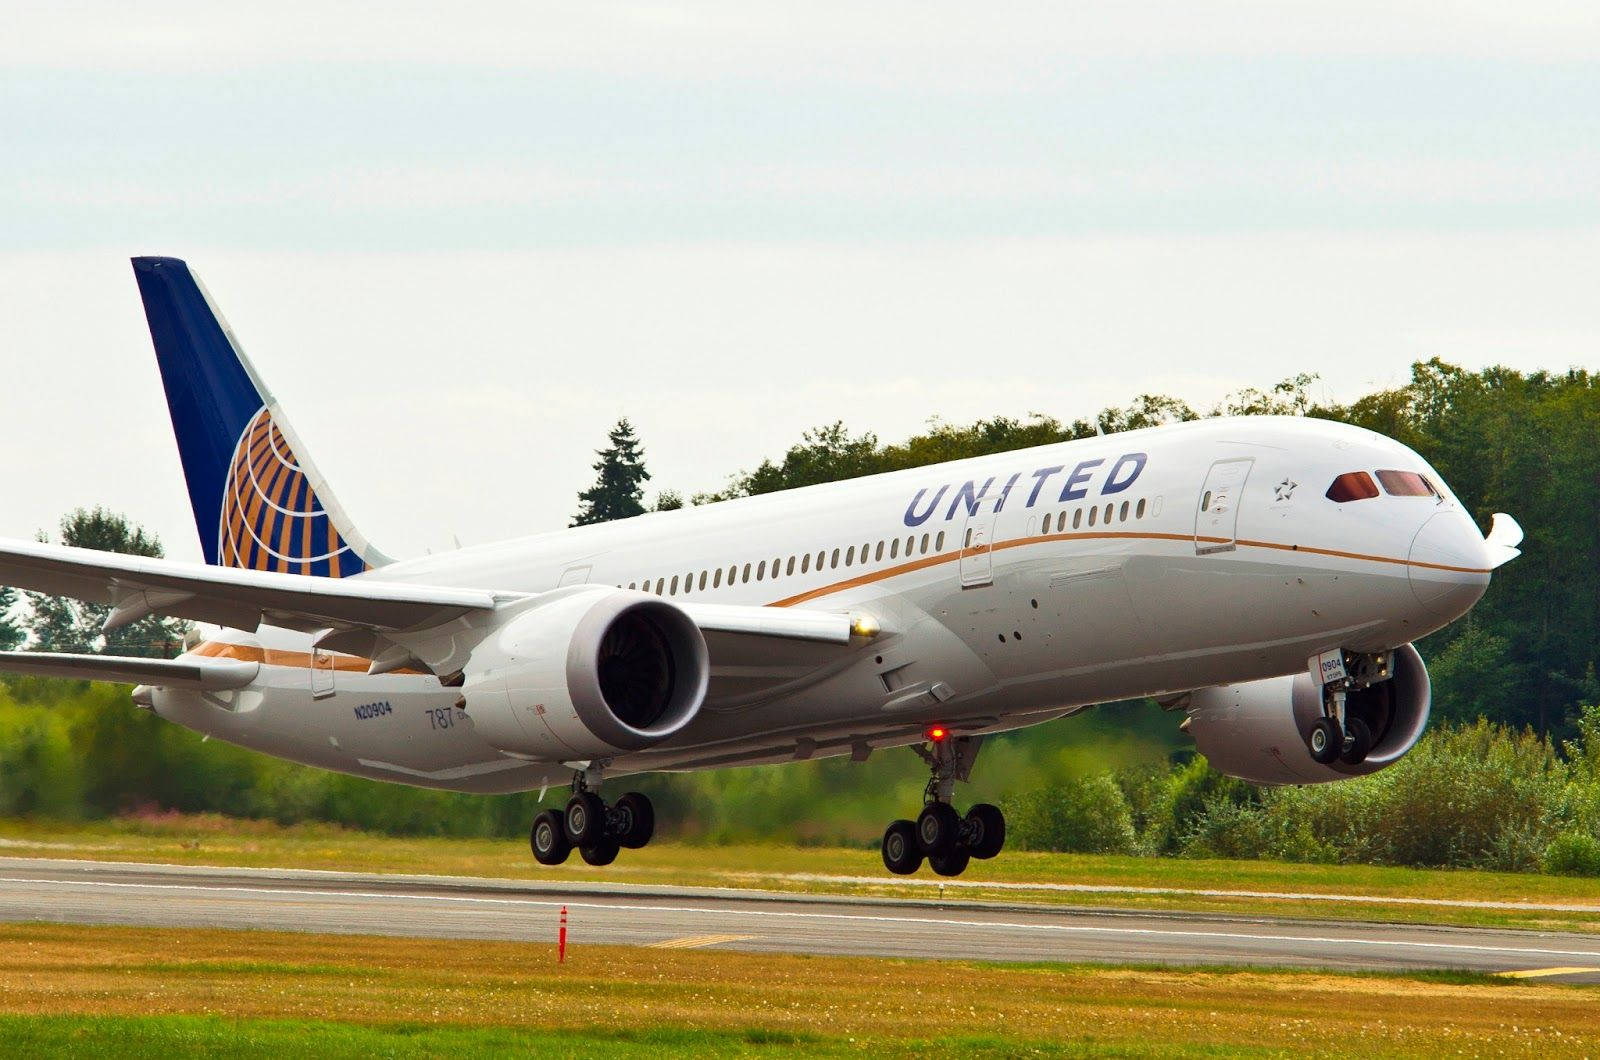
459,241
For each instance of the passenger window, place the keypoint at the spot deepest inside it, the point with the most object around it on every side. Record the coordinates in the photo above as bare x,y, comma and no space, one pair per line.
1092,512
1138,513
805,563
1107,517
1122,513
850,555
1077,518
938,544
702,581
835,563
716,579
761,570
1351,486
1205,501
911,544
894,548
1405,484
790,568
878,554
967,541
1061,522
746,579
630,585
661,583
1044,524
674,585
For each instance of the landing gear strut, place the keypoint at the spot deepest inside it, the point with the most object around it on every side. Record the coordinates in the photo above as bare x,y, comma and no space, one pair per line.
1339,735
944,838
597,829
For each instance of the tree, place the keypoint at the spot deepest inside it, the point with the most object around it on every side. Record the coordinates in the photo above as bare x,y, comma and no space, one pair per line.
63,625
11,632
618,491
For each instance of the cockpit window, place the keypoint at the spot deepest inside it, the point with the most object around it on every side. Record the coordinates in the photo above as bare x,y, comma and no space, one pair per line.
1405,484
1353,486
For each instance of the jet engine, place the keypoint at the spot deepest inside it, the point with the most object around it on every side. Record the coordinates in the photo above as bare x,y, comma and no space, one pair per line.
586,673
1258,731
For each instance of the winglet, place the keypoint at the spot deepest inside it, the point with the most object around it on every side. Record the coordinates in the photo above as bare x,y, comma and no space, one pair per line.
1505,534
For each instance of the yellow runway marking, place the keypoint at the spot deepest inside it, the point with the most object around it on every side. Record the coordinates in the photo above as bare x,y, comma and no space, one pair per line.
695,942
1540,973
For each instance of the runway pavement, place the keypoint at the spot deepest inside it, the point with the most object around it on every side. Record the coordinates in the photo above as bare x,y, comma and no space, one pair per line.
688,917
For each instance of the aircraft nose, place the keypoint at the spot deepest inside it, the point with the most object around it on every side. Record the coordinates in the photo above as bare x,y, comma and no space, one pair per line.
1449,564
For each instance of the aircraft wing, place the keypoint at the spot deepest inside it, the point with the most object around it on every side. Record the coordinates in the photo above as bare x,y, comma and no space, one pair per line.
207,675
136,587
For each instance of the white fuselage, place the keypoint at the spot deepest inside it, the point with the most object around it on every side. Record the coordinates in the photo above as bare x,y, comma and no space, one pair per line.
1129,565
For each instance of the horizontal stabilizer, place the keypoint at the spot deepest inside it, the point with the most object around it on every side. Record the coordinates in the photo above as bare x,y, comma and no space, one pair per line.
205,675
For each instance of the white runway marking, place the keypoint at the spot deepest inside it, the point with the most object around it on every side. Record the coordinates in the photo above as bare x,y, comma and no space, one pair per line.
874,918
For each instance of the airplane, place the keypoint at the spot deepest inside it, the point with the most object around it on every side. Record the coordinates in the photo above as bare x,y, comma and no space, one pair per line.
1264,576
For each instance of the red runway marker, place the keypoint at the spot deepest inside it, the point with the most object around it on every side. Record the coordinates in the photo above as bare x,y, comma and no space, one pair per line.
561,940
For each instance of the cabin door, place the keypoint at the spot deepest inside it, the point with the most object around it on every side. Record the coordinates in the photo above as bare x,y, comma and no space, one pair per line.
977,545
1216,517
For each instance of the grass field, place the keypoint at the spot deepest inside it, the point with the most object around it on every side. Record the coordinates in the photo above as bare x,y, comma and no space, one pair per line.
174,992
212,840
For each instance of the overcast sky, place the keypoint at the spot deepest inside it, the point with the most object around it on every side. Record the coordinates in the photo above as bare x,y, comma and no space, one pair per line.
460,240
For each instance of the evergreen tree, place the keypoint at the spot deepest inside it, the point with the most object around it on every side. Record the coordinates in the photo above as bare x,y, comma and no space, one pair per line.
60,624
618,491
11,632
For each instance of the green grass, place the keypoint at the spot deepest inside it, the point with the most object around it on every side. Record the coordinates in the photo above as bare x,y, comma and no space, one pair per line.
216,840
175,992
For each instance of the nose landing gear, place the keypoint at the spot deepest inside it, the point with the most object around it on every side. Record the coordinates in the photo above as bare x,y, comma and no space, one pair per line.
946,839
1339,735
597,830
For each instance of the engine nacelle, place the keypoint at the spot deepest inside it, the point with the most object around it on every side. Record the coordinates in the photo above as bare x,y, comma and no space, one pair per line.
585,674
1258,731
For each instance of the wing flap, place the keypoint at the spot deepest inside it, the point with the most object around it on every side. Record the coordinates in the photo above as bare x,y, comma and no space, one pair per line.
206,675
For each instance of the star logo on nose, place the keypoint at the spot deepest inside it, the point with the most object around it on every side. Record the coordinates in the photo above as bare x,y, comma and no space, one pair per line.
1284,490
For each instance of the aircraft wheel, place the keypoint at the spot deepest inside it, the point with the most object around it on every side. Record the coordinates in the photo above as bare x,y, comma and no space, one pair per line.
953,863
549,839
1325,741
985,831
938,828
1360,742
636,819
585,819
901,854
601,853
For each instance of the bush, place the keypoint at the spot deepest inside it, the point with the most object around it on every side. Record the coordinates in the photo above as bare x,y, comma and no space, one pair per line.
1573,854
1080,815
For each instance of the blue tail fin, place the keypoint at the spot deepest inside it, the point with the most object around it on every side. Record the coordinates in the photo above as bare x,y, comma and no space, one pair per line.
257,504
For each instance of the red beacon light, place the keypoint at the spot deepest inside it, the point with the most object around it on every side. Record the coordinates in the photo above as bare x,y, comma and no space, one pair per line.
938,733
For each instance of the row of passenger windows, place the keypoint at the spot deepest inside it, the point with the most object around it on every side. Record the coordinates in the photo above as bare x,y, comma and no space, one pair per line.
1102,516
763,570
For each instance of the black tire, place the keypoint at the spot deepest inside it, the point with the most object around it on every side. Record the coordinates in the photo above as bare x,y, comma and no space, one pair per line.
984,831
1360,742
637,819
938,828
901,854
601,853
585,820
548,838
1325,741
953,863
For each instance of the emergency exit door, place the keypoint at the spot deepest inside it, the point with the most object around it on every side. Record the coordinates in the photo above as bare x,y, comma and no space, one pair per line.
1216,520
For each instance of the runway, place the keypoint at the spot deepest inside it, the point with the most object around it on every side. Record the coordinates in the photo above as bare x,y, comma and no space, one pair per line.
695,917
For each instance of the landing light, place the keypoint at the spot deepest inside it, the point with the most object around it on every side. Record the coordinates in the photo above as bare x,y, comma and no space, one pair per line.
864,626
938,733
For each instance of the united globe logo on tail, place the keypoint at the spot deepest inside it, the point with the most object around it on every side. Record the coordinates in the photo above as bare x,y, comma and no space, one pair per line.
271,517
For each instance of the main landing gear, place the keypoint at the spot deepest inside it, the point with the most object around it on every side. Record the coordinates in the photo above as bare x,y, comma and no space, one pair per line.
596,828
1340,735
946,839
